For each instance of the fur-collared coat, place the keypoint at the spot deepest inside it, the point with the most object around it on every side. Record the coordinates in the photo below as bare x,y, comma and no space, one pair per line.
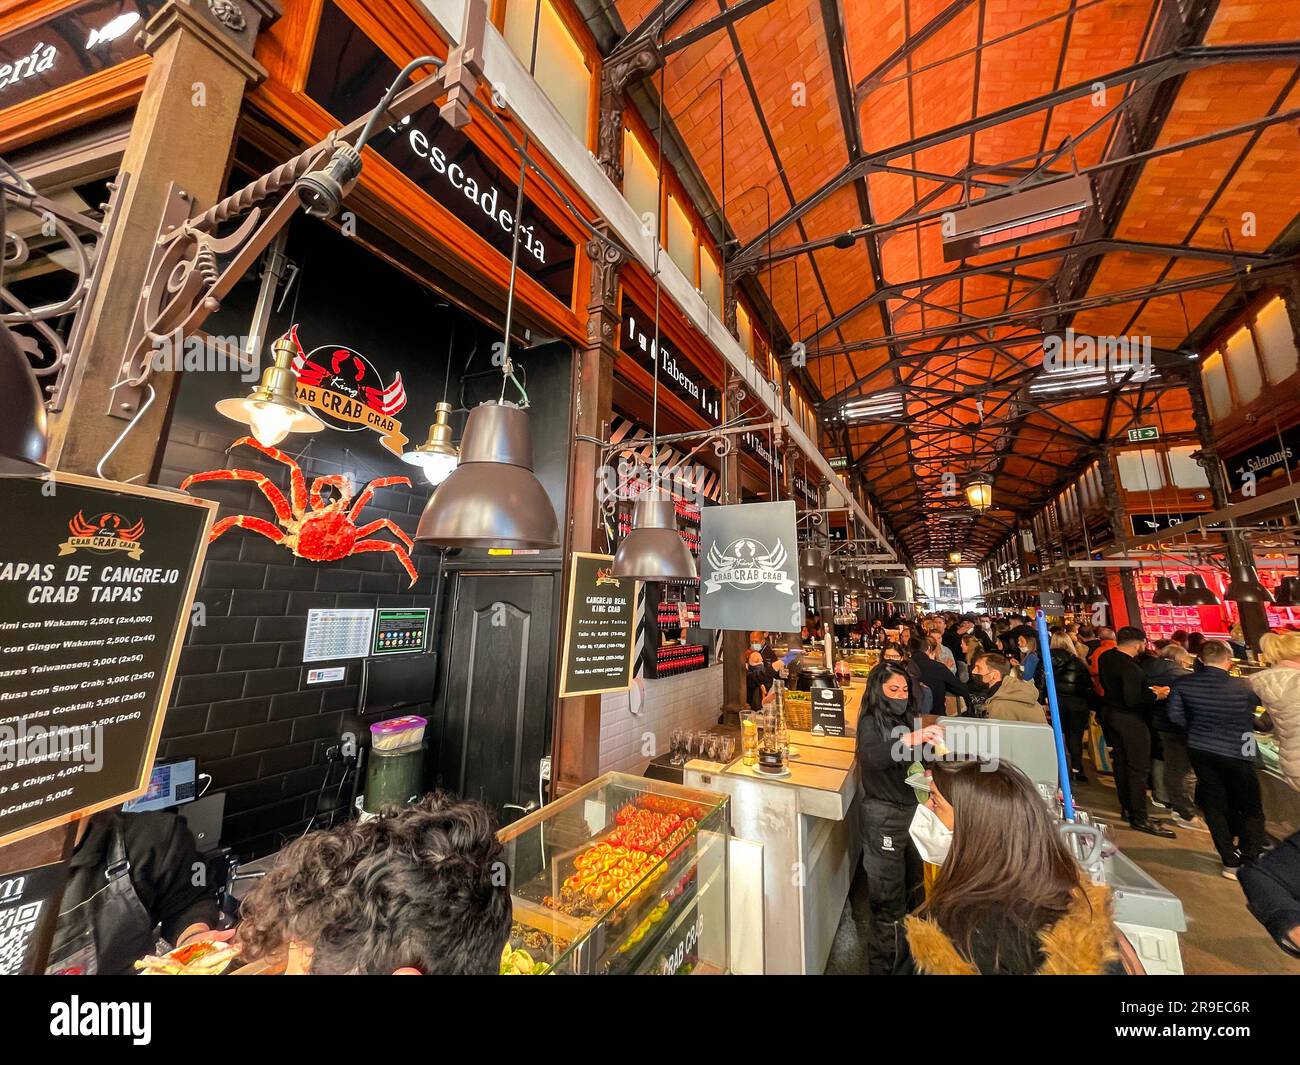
1082,943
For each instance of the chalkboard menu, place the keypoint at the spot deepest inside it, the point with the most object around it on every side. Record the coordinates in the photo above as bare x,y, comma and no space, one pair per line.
96,583
827,712
598,629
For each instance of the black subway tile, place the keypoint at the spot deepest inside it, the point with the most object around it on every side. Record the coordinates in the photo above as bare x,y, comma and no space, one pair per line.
271,681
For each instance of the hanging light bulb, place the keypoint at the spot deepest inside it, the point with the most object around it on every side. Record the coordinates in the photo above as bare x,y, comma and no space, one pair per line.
1166,594
22,430
1196,593
437,456
1245,586
954,558
979,492
492,498
271,411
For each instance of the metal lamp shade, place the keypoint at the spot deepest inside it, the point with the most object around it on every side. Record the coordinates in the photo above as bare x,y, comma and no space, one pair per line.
811,573
22,430
856,584
834,579
492,499
1197,593
654,550
1245,586
1288,592
1166,594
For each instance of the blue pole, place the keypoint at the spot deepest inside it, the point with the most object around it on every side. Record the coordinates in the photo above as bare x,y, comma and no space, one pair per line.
1062,762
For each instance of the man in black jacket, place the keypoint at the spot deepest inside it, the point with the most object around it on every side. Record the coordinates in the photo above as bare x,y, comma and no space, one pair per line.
1217,710
132,879
1127,700
941,680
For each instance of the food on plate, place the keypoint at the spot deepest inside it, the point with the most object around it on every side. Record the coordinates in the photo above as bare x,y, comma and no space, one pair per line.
203,958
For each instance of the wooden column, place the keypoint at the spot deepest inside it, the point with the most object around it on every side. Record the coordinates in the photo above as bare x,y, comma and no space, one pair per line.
576,741
183,133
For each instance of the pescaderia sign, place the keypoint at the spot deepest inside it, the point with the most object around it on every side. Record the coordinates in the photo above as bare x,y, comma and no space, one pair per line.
749,569
349,72
70,45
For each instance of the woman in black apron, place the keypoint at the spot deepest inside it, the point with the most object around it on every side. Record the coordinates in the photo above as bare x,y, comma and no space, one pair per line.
133,879
889,740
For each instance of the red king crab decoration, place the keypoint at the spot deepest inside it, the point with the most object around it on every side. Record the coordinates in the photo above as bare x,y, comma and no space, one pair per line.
325,533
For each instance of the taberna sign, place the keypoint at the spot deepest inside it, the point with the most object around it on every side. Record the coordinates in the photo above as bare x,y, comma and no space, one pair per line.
349,72
69,46
679,376
749,567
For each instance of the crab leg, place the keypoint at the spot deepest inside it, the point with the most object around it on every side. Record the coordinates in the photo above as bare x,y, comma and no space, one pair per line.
244,521
297,482
273,495
368,492
338,481
384,545
391,526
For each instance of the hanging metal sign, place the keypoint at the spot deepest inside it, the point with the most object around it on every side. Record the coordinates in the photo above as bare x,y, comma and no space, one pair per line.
749,568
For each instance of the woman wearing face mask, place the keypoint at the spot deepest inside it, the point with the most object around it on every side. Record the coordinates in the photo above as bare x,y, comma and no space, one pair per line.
889,740
899,654
1010,898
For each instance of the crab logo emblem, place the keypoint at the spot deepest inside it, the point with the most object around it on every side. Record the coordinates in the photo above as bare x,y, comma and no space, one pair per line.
748,563
103,533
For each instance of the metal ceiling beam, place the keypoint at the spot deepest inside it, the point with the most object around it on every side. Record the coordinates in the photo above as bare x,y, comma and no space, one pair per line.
915,41
1172,67
736,11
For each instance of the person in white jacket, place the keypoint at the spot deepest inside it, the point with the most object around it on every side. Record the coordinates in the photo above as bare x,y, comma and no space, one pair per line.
1278,688
1272,883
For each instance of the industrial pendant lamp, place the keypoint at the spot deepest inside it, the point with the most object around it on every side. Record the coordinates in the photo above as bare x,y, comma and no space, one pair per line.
1245,586
654,550
834,579
811,572
437,456
1166,594
271,411
492,498
1196,592
22,430
1288,592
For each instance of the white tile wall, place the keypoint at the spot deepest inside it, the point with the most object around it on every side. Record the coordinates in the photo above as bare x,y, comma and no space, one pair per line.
628,741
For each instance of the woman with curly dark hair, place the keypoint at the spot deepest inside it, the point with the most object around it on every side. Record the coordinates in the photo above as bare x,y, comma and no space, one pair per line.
420,889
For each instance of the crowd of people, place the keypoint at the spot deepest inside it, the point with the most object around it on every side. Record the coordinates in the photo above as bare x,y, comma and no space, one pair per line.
1177,732
425,888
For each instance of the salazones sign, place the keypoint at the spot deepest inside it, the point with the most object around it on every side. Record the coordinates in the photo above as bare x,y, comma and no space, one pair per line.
749,569
349,72
1271,456
69,46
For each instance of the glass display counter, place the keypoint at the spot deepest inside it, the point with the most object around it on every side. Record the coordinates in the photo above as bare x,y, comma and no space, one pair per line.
624,875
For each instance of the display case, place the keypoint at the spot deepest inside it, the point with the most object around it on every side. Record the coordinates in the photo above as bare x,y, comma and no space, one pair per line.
624,875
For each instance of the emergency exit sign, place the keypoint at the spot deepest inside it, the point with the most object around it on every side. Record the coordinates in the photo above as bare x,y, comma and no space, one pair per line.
1143,432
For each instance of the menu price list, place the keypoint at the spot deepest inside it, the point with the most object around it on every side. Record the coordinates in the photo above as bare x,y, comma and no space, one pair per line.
91,603
598,632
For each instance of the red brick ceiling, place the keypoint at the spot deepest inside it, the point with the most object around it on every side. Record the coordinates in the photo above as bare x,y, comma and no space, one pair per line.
784,134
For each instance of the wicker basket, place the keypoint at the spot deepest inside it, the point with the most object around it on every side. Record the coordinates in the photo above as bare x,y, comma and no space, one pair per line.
798,711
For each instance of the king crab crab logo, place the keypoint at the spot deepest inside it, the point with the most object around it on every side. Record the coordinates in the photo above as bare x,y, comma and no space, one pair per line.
748,563
103,533
349,373
325,531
